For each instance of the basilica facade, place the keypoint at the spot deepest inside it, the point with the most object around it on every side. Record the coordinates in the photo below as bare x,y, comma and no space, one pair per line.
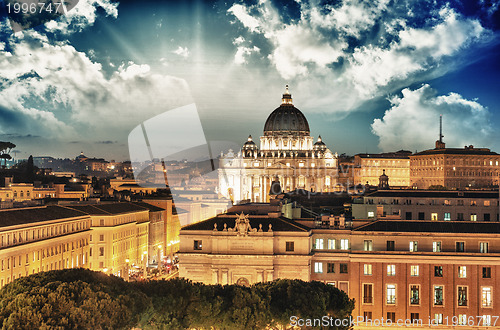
287,154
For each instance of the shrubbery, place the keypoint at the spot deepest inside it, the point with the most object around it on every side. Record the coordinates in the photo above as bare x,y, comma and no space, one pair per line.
84,299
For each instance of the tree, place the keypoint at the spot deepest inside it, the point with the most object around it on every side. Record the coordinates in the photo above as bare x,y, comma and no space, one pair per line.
30,170
5,149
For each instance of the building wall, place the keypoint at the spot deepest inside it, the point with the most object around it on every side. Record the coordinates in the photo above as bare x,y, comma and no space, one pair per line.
370,169
35,247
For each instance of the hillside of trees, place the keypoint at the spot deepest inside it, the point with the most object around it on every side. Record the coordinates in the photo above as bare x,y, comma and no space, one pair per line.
84,299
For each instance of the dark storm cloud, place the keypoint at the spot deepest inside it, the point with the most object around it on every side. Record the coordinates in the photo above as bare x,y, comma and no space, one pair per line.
10,119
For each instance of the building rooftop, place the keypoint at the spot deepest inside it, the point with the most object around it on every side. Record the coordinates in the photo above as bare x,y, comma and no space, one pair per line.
493,194
14,217
152,208
278,223
402,154
471,227
457,151
108,208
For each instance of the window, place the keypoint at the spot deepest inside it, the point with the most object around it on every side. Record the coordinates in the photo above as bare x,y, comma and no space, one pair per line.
343,268
462,271
462,296
367,269
486,321
486,203
390,245
473,203
391,294
367,293
438,271
101,222
367,316
368,245
438,318
434,216
391,270
101,251
371,214
198,245
447,216
460,216
318,245
486,272
391,316
436,246
421,216
473,217
415,318
486,296
408,216
413,246
101,237
487,217
330,268
331,244
318,267
460,246
462,319
414,295
414,270
483,247
290,246
344,244
438,295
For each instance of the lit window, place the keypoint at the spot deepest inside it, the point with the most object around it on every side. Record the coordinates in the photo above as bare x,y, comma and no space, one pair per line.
414,270
331,244
319,244
438,318
414,295
413,246
371,214
486,203
486,296
438,295
344,244
436,246
483,247
462,271
447,216
462,296
318,267
434,216
473,217
462,319
391,270
391,294
486,321
198,245
367,269
368,245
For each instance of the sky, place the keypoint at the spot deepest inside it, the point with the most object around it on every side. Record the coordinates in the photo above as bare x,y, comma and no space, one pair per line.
370,76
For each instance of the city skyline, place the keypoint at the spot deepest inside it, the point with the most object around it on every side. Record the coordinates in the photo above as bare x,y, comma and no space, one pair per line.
369,78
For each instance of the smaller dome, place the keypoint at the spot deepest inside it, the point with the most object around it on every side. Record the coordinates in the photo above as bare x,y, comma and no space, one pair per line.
249,145
319,145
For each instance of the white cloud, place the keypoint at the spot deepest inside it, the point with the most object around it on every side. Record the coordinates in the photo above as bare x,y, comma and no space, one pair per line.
242,52
412,122
55,91
182,51
81,16
390,51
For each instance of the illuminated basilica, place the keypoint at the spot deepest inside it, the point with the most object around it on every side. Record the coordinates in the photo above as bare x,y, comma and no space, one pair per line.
287,154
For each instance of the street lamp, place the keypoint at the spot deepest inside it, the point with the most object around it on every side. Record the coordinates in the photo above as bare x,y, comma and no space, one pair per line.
145,273
126,270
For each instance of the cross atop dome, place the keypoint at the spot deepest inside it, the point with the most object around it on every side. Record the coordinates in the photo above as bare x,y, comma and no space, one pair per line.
287,97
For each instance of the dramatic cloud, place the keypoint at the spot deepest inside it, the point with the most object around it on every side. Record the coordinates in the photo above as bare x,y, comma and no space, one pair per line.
412,122
358,48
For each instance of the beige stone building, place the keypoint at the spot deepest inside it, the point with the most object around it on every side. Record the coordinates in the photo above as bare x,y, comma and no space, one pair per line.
369,167
36,239
119,236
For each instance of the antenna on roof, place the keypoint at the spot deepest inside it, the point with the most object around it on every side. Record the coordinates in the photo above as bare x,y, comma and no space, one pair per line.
441,128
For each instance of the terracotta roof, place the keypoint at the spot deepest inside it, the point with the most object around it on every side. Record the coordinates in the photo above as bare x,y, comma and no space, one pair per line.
456,151
13,217
108,209
278,224
152,208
